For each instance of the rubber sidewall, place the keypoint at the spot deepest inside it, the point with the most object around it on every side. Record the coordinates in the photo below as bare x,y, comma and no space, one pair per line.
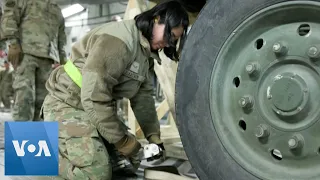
215,23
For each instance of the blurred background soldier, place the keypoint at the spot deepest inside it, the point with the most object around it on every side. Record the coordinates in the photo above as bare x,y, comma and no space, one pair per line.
6,91
35,37
2,42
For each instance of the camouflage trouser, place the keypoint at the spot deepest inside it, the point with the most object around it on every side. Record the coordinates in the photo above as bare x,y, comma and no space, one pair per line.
29,87
5,94
82,153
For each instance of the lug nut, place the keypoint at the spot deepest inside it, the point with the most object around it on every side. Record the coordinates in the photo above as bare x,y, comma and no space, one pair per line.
279,49
295,142
246,102
314,52
252,68
262,131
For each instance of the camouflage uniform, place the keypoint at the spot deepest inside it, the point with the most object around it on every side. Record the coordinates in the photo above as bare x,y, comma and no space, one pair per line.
38,25
6,90
2,42
114,60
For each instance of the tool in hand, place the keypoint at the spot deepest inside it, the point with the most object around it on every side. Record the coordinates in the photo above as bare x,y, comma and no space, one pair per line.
149,152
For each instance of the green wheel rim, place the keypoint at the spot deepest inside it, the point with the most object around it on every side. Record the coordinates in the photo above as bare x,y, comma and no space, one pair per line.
265,94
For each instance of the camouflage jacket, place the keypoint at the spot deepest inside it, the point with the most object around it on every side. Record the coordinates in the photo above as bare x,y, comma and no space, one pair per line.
38,25
2,42
115,63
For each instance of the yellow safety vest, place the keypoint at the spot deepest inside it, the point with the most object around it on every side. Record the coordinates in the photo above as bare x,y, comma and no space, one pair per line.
73,73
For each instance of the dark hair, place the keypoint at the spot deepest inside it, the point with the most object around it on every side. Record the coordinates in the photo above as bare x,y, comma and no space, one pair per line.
172,14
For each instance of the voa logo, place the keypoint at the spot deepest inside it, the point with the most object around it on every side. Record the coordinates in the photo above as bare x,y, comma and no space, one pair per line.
42,148
31,148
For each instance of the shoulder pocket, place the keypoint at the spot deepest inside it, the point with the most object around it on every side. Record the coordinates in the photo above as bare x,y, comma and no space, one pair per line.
133,75
135,71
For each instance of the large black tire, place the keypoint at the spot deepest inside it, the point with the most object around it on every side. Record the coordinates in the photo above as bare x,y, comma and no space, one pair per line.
192,5
216,22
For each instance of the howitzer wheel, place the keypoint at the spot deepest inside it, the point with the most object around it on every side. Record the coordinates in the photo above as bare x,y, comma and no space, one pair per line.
247,90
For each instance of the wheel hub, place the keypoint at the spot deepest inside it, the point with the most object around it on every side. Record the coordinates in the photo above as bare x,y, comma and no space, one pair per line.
287,94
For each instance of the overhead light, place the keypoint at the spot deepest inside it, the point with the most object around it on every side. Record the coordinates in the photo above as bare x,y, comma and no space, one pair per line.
71,10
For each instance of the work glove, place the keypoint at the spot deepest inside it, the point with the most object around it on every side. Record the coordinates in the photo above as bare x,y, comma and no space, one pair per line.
15,54
128,145
135,161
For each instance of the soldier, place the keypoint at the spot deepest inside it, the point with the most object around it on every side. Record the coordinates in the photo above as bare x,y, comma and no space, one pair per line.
35,36
6,90
110,62
2,42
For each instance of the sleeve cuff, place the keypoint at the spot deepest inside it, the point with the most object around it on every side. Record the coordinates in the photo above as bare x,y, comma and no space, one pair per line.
154,139
12,41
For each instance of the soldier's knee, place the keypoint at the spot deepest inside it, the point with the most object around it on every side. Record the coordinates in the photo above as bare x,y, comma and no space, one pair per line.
101,171
93,172
84,154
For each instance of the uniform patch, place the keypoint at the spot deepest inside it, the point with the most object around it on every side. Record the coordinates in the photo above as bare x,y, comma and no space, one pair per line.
135,67
10,4
134,75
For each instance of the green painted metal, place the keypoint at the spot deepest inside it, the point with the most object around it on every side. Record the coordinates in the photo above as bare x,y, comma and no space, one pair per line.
288,94
265,95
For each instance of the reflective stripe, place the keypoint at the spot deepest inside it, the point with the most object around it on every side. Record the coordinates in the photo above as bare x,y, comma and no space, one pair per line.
76,76
73,73
134,75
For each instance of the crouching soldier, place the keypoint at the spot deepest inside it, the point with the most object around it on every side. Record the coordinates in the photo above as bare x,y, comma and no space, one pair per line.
109,63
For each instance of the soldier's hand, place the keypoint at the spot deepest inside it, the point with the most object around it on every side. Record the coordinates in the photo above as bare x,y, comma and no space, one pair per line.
128,145
135,161
15,55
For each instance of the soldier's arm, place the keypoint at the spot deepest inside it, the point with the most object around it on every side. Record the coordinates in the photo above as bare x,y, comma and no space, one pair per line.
13,11
143,106
100,74
62,41
0,26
